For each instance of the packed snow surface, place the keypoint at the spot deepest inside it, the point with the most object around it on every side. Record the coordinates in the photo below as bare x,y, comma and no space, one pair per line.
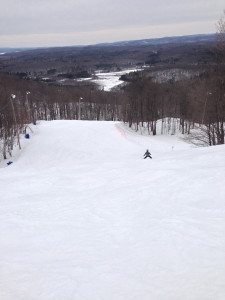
84,217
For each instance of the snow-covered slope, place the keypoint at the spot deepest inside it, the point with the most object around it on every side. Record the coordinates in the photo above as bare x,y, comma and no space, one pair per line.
84,217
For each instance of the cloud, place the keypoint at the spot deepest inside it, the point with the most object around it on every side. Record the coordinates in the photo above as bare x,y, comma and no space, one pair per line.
74,17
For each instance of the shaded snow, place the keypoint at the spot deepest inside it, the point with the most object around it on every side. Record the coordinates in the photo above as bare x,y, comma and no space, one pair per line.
84,217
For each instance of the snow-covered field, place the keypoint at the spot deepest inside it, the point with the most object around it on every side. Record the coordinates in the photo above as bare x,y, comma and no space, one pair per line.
84,217
111,79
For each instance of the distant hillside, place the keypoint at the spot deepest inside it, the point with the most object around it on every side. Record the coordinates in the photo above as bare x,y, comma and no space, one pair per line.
165,40
11,50
66,64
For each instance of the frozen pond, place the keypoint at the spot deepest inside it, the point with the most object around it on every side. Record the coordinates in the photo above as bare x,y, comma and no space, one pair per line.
111,79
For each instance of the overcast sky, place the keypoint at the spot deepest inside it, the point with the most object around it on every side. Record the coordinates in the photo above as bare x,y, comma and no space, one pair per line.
33,23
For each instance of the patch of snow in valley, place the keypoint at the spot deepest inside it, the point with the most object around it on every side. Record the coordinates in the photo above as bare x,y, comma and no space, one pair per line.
84,79
111,79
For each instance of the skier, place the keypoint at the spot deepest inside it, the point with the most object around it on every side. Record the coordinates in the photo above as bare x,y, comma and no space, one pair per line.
147,154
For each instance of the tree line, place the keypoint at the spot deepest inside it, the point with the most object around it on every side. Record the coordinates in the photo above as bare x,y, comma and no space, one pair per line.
196,102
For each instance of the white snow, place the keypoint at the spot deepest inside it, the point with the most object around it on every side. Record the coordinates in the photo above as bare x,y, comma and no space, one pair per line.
84,217
111,79
84,79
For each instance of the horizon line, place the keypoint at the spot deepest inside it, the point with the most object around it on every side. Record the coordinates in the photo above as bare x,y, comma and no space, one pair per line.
111,43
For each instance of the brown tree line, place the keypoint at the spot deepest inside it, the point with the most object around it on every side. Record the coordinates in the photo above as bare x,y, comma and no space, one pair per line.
198,102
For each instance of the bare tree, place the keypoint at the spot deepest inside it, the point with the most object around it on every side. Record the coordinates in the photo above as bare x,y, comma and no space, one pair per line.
220,38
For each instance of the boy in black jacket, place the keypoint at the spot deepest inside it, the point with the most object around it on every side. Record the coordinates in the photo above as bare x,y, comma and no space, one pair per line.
147,154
